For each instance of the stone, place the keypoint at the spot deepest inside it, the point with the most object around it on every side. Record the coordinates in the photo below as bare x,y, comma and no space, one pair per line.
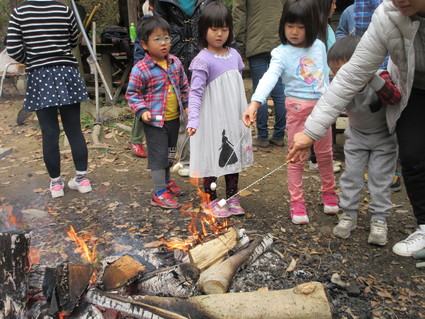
4,151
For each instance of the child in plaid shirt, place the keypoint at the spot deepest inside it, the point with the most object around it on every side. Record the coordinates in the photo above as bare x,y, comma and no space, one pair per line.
157,93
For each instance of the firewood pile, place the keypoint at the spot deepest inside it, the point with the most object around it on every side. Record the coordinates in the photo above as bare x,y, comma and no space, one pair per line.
139,286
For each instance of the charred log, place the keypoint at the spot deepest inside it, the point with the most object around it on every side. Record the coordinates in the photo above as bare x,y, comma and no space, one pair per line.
121,272
129,306
176,281
14,264
64,285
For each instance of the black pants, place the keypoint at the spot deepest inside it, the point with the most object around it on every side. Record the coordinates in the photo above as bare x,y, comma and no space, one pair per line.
411,141
49,124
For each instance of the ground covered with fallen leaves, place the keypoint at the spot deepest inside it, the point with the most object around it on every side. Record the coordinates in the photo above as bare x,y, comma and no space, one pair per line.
361,281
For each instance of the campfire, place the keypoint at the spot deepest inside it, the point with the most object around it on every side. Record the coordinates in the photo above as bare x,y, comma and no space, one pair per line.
141,285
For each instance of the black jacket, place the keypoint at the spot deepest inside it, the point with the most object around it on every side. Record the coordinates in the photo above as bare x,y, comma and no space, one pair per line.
184,29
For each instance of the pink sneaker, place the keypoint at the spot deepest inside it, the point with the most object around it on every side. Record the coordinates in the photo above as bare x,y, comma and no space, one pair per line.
235,207
330,203
216,211
299,213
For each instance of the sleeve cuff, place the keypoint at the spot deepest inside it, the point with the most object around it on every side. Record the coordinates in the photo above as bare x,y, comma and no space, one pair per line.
377,83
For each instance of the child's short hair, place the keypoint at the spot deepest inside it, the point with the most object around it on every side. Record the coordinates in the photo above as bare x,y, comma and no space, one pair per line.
215,14
148,25
304,12
343,49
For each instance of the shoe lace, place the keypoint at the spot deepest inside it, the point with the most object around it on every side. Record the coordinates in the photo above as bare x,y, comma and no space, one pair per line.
298,209
378,228
345,222
415,237
59,182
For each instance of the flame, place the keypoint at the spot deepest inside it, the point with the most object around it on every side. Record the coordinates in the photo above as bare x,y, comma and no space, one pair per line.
34,256
82,246
62,315
12,221
201,225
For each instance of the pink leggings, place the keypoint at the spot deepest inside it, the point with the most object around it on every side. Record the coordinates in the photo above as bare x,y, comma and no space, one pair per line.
296,115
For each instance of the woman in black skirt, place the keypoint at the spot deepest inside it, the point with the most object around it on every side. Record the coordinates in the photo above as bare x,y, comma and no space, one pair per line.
41,35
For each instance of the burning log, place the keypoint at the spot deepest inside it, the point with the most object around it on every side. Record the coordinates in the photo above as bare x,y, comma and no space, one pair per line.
214,251
306,301
217,278
64,285
122,271
14,264
176,281
129,306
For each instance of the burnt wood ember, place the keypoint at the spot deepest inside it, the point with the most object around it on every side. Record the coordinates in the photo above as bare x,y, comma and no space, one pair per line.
122,272
14,265
176,281
64,285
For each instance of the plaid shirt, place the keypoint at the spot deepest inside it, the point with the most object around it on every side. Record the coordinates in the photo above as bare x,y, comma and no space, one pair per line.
389,93
363,11
148,87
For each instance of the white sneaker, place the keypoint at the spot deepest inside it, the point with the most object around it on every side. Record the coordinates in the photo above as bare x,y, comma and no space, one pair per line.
378,233
345,225
184,172
336,166
56,188
313,166
413,243
83,186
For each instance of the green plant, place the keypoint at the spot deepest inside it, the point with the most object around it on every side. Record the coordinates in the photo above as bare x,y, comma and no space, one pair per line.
87,121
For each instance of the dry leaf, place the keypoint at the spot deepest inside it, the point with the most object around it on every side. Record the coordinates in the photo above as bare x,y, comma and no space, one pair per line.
38,190
292,265
263,289
153,244
40,172
109,135
106,184
245,193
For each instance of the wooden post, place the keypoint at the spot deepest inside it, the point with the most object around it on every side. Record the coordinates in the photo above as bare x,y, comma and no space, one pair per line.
14,264
132,12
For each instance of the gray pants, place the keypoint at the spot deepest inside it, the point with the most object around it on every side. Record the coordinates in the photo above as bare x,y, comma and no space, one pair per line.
183,143
379,153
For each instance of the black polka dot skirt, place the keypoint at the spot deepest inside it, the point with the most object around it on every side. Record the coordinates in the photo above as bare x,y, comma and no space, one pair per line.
54,86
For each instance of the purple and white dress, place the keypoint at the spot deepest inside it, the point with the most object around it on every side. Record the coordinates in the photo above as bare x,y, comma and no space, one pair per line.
222,144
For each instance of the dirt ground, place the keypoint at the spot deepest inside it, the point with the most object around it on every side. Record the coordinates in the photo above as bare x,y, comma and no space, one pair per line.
117,213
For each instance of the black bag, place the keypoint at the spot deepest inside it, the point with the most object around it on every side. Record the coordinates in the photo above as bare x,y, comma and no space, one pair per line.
114,34
118,35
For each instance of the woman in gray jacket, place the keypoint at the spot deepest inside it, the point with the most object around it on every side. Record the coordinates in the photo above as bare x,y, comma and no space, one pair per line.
397,28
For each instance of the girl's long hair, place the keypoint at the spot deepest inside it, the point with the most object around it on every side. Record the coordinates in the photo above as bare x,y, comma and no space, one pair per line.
214,15
324,9
305,12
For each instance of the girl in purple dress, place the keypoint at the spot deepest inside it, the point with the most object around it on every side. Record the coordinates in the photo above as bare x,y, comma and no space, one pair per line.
220,143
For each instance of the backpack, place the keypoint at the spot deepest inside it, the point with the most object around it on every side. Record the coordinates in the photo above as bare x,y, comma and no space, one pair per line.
116,34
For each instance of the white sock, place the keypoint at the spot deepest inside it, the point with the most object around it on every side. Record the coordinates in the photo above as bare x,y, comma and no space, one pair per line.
422,227
56,179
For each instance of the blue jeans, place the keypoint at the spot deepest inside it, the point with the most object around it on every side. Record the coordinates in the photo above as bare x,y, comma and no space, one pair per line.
259,65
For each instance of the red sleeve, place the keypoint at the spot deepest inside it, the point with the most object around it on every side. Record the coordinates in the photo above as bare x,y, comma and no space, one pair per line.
389,93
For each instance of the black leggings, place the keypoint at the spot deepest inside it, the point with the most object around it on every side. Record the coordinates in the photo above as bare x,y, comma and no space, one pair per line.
231,185
411,141
49,124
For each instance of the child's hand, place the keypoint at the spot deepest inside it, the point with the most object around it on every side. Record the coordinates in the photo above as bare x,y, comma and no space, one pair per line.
147,117
191,131
250,115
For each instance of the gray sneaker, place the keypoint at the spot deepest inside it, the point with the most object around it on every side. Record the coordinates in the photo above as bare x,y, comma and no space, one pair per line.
345,225
378,233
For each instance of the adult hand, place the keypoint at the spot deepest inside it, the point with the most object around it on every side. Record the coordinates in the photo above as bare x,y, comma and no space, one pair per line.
191,131
299,147
250,115
147,117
